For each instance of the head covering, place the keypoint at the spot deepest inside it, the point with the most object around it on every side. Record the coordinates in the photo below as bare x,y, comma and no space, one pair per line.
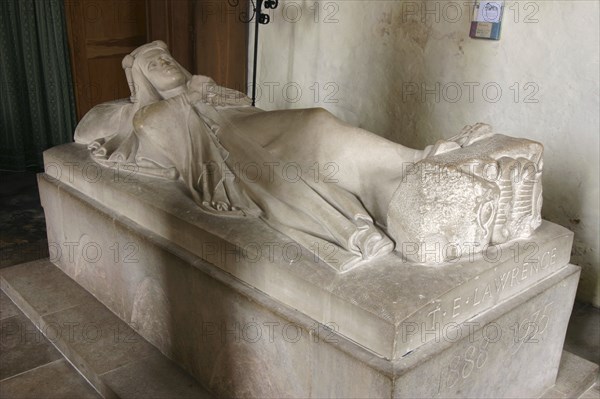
142,91
107,128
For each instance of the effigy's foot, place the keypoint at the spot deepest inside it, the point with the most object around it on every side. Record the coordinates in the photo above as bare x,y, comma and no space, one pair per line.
481,189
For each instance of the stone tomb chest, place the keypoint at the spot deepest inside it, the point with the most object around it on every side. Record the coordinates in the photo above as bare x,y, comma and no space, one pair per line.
250,313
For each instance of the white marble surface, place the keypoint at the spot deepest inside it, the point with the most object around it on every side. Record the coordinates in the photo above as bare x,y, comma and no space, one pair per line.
242,341
350,190
370,303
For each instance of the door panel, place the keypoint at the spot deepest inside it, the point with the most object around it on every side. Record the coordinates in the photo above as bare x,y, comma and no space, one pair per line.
221,37
172,22
101,33
207,37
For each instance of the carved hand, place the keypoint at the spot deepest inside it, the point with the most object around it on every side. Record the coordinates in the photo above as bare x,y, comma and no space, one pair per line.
204,89
201,89
471,134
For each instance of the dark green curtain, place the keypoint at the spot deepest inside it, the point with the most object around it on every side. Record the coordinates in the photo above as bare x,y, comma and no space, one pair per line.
37,101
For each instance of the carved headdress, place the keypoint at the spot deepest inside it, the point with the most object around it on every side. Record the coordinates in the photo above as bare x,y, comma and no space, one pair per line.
142,91
107,128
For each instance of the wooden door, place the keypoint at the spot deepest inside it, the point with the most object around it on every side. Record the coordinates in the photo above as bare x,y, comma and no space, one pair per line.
208,37
172,22
100,34
221,41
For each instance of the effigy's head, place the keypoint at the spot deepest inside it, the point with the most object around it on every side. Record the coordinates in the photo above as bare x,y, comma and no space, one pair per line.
151,71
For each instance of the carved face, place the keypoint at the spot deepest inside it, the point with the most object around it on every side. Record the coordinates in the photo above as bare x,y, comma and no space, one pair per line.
162,70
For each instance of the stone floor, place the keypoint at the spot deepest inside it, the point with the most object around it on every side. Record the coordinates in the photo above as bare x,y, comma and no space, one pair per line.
583,334
31,367
23,235
74,327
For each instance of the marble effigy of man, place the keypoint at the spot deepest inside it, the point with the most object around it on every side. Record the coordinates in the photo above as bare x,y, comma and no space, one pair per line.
312,177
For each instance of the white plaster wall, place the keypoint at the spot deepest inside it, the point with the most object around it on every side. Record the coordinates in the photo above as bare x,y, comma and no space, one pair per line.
368,61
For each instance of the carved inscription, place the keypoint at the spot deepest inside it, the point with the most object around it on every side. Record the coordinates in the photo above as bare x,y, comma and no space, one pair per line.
465,362
531,329
508,278
484,293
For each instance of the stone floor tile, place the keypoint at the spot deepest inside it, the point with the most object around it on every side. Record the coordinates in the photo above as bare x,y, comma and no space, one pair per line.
98,337
37,283
592,393
23,347
154,377
575,375
7,307
553,393
53,380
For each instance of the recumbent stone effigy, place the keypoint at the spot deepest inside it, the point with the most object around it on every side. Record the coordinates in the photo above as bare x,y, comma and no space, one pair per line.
182,126
405,257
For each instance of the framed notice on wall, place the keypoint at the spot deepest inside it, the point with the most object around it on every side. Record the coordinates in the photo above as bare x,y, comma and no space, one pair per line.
487,20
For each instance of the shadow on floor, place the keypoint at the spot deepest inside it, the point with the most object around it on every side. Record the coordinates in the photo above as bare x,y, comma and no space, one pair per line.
23,235
583,333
